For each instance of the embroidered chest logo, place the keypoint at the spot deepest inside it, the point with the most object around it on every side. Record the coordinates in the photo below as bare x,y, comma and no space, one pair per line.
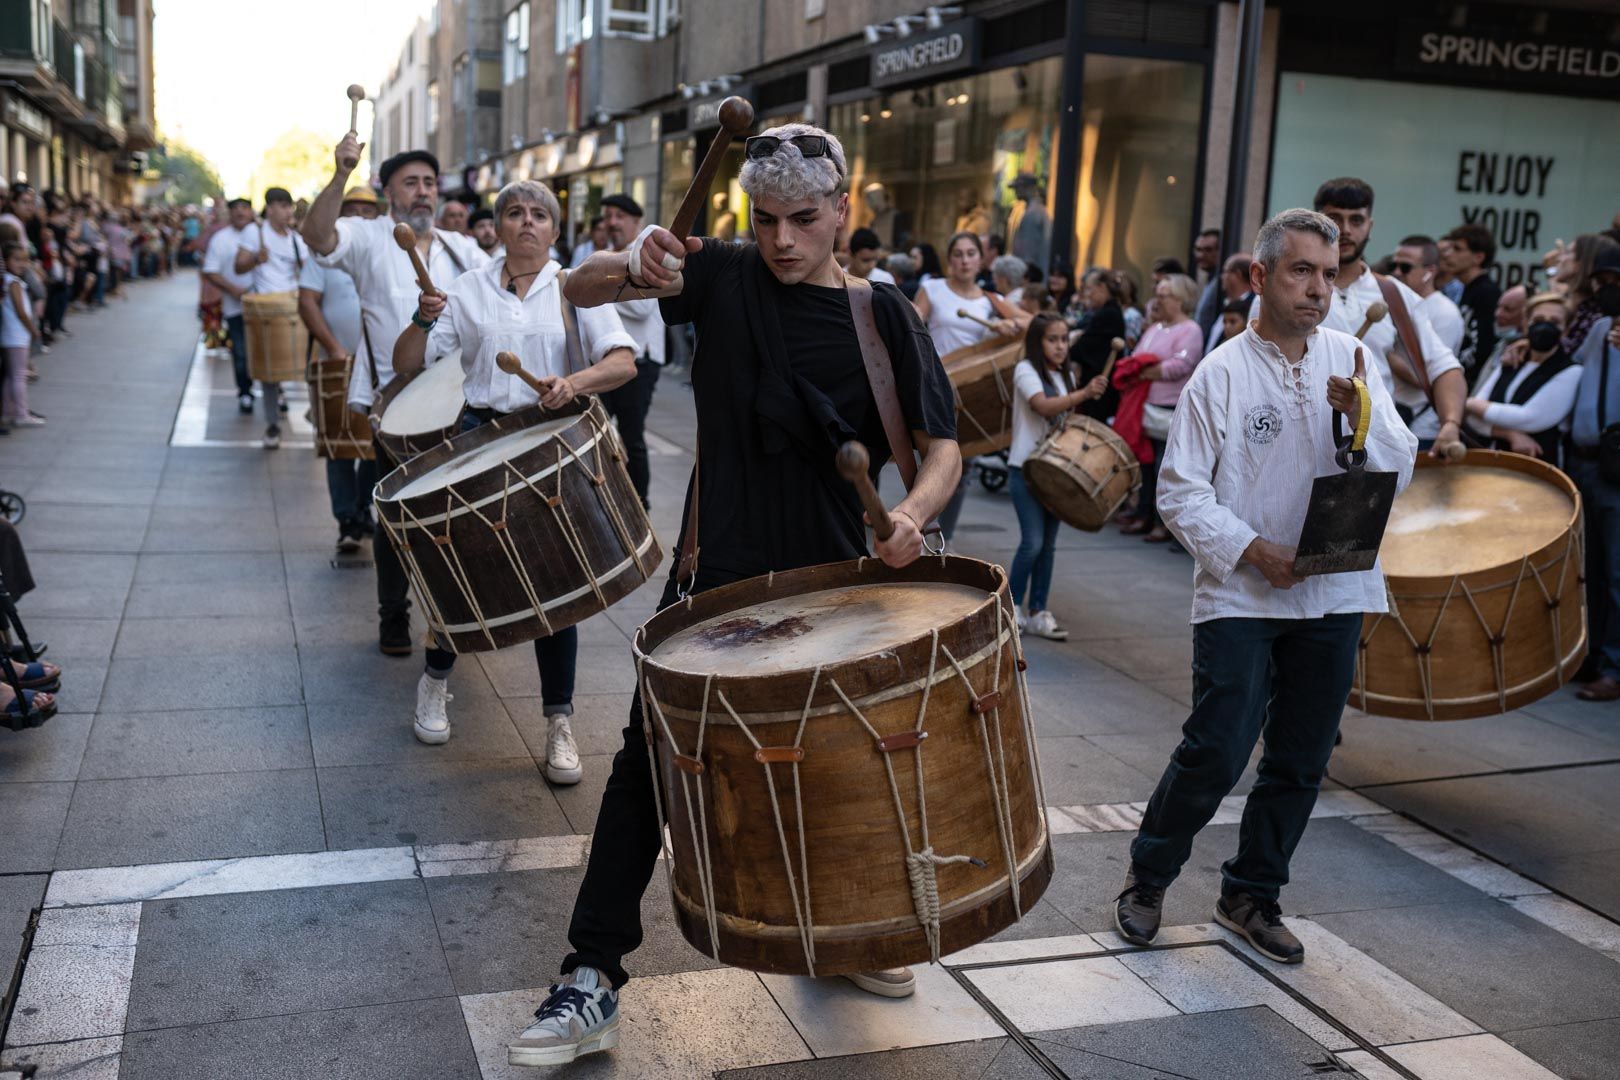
1261,424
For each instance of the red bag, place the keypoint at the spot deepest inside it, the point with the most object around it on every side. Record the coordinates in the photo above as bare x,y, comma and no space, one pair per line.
1133,392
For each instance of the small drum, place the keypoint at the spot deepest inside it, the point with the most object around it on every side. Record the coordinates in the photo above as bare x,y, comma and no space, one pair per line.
848,765
1487,612
277,340
419,411
1082,472
340,433
982,381
519,528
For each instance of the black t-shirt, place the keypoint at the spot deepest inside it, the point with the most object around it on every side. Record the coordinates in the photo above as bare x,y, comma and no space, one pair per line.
769,427
1478,308
1091,353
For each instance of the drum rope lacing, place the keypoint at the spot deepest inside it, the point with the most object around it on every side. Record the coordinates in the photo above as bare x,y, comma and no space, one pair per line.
1496,638
921,863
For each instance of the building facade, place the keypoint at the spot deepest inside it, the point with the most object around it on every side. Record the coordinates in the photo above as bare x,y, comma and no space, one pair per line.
463,91
399,117
76,94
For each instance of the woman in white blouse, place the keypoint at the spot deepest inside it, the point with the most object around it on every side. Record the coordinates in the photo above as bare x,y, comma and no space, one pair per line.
515,305
1524,408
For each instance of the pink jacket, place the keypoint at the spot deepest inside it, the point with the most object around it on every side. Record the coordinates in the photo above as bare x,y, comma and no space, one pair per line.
1181,346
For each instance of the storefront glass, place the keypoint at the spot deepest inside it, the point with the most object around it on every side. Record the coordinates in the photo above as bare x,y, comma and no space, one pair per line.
928,162
1531,168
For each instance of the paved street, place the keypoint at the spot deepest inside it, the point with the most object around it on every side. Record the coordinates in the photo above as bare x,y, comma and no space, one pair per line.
245,865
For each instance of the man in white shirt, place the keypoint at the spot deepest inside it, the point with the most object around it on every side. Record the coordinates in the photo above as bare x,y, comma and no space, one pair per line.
1273,653
386,282
865,249
481,227
1417,265
515,304
219,267
330,306
628,405
274,255
1437,423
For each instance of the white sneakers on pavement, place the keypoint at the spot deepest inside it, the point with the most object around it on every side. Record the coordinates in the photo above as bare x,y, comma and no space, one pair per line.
891,983
432,720
579,1016
562,755
1043,624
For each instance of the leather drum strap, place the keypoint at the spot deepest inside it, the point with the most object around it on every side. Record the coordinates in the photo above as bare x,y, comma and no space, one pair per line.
575,351
1407,332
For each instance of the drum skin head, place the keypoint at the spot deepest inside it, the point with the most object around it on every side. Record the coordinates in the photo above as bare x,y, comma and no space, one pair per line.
1465,518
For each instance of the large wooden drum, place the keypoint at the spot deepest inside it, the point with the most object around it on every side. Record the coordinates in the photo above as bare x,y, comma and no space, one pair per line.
848,765
519,528
1082,472
340,432
982,380
417,412
277,340
1483,561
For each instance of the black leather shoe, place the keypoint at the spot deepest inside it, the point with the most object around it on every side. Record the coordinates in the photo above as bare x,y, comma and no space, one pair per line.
1137,911
394,635
1260,923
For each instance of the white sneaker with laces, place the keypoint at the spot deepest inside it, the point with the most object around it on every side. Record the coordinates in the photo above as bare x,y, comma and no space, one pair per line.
579,1016
1043,624
562,755
432,721
890,983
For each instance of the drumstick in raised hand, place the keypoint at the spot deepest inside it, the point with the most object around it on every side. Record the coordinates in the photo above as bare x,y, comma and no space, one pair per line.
1375,313
357,94
405,237
853,461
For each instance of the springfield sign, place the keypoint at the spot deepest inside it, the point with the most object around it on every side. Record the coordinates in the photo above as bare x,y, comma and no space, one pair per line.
927,56
1572,66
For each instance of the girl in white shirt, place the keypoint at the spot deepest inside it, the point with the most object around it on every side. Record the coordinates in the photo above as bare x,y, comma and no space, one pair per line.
514,304
1042,391
17,333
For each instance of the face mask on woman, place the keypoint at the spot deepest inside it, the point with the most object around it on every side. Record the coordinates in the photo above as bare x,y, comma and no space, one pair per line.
1544,335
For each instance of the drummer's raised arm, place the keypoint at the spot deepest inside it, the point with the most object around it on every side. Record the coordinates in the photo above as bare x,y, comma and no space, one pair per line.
410,350
649,267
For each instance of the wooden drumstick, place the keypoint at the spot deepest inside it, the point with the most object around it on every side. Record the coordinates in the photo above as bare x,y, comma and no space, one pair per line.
405,237
853,461
1115,347
736,117
357,94
964,313
1375,313
509,363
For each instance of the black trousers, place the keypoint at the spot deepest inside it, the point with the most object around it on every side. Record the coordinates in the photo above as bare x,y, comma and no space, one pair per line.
606,925
628,405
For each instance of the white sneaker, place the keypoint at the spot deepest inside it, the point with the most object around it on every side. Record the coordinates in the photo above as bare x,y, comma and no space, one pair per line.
1020,617
580,1016
432,722
562,756
892,983
1042,624
272,437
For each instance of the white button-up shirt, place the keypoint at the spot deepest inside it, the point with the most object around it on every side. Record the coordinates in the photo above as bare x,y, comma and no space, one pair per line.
1249,436
280,272
483,319
386,282
220,258
1348,310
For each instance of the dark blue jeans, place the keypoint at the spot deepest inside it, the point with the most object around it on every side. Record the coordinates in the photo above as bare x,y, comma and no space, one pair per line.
1037,545
349,483
1284,679
244,382
555,655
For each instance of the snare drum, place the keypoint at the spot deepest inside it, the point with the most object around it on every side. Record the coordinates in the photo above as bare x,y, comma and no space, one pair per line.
520,527
1082,472
982,382
419,411
1487,611
340,432
277,339
848,764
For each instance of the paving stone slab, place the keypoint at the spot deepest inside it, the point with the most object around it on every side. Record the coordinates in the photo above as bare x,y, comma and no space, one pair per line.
19,896
34,815
380,732
200,529
197,741
411,1040
169,818
1068,993
207,959
71,639
1077,772
52,527
1585,1051
52,752
180,637
989,1058
1471,1057
835,1018
84,1059
437,803
76,982
1494,965
1103,706
205,681
1254,1043
510,930
1592,877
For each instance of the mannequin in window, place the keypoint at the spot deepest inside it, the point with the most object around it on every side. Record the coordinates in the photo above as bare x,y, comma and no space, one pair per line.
1030,226
725,222
971,214
884,216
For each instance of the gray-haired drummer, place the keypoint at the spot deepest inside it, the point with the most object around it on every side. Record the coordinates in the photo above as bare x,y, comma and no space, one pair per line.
514,304
779,383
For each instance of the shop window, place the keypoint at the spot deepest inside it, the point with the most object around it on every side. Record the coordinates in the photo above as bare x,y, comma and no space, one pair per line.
515,54
575,22
641,19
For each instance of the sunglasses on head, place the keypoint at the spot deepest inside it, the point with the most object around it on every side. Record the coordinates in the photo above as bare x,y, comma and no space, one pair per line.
757,147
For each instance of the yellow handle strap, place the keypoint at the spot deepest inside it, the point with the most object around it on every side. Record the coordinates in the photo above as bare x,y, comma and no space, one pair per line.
1364,417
